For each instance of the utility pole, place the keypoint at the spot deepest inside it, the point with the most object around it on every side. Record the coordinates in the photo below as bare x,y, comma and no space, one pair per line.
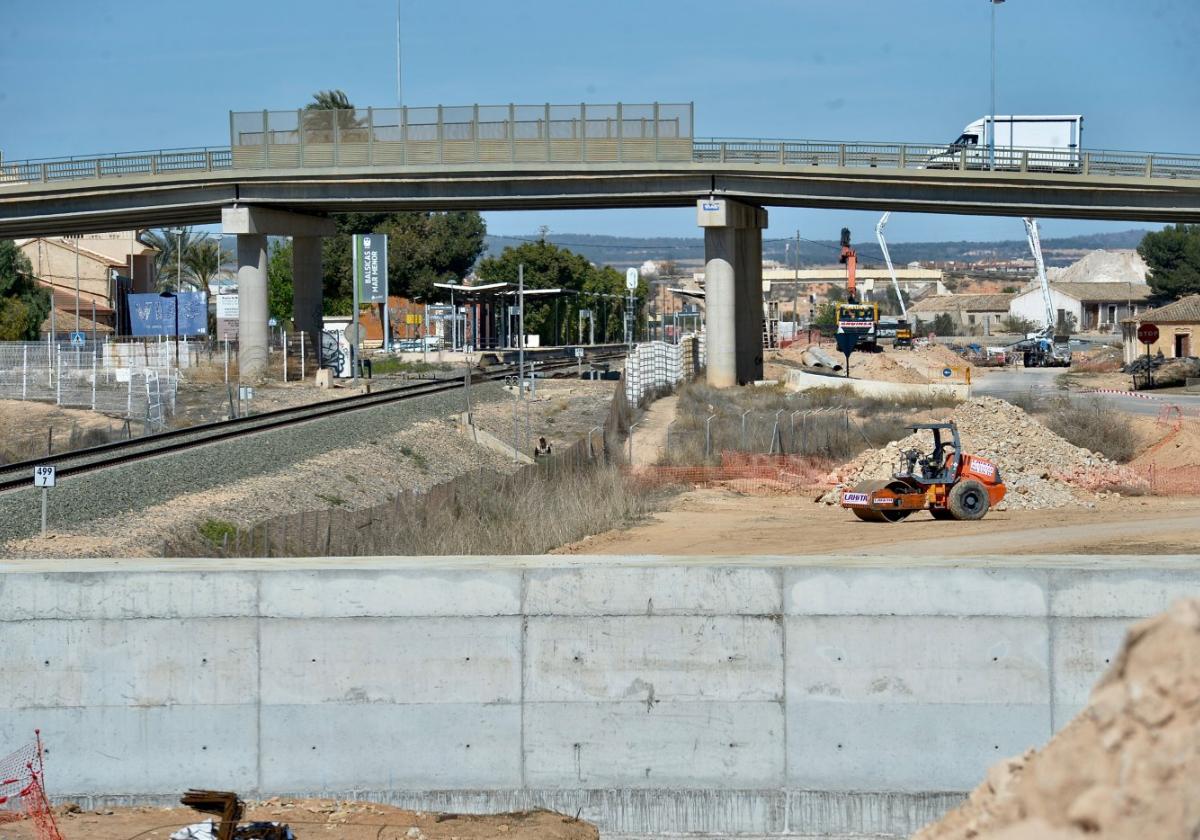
76,282
521,328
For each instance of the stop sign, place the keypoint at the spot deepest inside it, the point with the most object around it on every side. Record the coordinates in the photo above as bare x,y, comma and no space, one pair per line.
1147,333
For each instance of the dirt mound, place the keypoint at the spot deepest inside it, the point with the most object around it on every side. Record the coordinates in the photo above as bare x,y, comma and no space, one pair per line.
1180,447
1040,469
1103,267
1126,768
884,367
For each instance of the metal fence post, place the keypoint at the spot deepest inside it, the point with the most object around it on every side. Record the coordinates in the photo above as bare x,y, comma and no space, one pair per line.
744,413
129,395
403,135
266,149
93,380
1149,166
546,128
903,157
301,355
58,366
441,136
300,132
475,128
841,154
620,133
1087,163
371,136
656,132
512,132
24,370
337,139
226,340
631,428
583,135
708,435
285,352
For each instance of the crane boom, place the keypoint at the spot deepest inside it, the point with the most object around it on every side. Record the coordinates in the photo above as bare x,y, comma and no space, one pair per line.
850,257
1035,245
887,257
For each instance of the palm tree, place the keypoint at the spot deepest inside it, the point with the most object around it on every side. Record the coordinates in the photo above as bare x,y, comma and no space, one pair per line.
173,249
203,263
319,116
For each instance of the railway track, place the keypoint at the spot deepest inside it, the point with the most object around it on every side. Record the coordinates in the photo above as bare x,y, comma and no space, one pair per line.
19,474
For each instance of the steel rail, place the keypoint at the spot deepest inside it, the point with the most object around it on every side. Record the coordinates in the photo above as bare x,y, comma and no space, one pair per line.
121,452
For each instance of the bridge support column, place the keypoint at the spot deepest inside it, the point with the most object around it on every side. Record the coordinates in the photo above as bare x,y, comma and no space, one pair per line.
732,290
252,225
252,306
307,290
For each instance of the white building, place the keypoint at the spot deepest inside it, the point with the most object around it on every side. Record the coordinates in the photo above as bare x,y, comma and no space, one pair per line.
1096,307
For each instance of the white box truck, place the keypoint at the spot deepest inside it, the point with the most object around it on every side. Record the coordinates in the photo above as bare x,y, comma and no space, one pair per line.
1037,143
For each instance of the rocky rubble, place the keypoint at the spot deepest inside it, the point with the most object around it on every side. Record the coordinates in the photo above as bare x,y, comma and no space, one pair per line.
1040,469
1126,768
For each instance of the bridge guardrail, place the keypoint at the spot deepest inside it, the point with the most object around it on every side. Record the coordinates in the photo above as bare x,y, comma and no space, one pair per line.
516,134
164,161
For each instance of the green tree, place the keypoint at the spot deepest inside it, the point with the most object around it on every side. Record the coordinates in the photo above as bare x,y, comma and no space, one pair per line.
1173,255
423,248
1017,324
548,266
826,314
24,304
945,324
279,281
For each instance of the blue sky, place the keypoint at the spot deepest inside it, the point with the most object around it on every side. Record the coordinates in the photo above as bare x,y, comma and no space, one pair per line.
81,76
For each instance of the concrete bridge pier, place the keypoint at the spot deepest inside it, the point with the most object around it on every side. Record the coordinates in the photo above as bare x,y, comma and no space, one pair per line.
732,289
252,225
308,294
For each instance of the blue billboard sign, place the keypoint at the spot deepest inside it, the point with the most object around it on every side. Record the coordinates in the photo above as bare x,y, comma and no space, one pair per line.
152,314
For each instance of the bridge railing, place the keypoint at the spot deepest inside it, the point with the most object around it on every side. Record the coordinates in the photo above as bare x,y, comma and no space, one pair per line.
495,134
522,134
943,156
163,161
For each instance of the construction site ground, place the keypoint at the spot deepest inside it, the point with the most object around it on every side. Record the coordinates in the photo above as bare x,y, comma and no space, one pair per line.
716,522
310,818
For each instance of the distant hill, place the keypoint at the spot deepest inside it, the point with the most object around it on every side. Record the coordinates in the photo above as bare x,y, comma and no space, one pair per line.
623,251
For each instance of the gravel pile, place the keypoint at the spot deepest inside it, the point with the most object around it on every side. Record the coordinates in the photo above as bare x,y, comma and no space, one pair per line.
1040,469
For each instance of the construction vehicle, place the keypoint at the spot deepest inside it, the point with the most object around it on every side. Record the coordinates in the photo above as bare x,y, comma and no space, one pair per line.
902,333
855,317
1050,346
945,482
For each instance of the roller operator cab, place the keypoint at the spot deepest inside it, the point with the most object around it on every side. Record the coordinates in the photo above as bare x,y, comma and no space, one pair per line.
1034,143
945,481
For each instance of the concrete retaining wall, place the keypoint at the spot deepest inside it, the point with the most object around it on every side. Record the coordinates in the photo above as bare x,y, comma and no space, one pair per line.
760,699
799,380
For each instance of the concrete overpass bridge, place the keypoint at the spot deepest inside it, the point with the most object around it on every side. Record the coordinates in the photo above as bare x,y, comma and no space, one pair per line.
284,171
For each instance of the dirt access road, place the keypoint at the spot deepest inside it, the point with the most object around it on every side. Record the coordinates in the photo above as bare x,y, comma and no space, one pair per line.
312,818
719,522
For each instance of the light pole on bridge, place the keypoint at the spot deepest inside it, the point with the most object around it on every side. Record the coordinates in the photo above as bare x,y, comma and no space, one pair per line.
992,137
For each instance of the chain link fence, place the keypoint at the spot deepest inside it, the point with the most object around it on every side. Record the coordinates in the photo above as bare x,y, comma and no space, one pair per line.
136,381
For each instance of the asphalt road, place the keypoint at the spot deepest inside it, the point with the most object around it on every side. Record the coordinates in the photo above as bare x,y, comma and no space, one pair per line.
1009,382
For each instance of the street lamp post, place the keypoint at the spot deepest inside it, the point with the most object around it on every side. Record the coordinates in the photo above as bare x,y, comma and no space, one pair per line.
175,309
992,137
